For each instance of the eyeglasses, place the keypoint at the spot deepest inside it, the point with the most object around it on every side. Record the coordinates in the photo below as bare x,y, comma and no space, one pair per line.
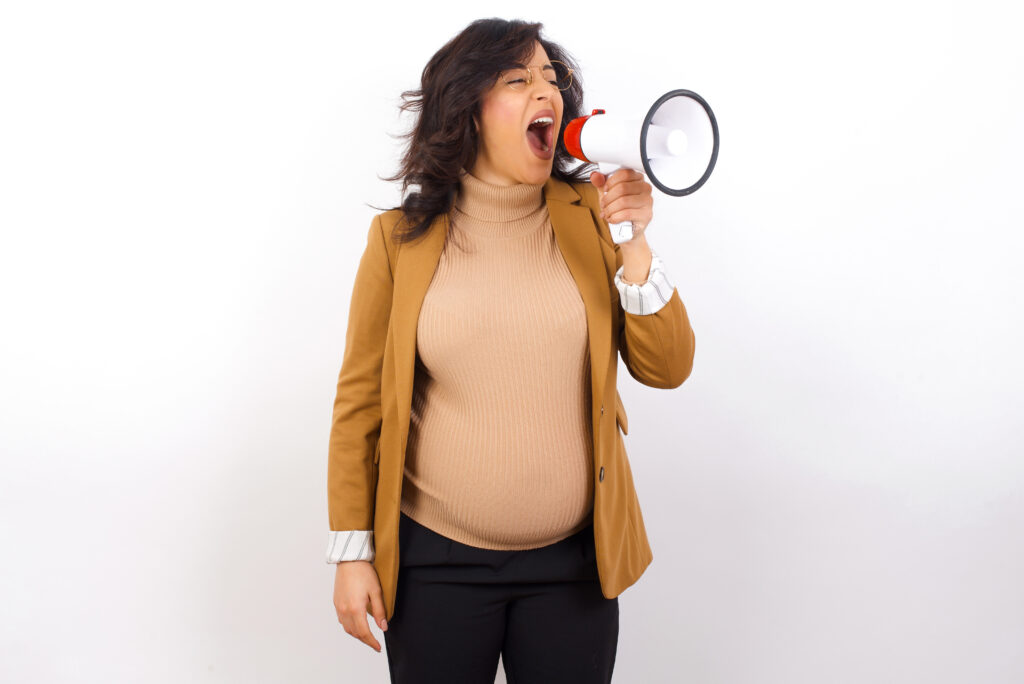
556,73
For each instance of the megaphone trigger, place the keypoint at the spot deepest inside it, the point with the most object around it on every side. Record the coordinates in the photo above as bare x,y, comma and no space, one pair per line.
621,232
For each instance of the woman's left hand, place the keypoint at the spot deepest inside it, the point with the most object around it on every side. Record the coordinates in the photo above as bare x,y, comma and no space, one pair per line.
625,196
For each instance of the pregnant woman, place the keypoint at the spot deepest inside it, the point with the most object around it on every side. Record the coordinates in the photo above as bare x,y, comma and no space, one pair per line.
480,498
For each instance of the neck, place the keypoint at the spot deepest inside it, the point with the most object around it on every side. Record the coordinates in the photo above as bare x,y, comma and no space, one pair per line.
493,203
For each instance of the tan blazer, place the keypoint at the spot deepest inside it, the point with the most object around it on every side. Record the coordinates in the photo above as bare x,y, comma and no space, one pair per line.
370,424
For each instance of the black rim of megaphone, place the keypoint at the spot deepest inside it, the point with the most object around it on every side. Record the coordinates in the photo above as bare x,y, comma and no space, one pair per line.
643,142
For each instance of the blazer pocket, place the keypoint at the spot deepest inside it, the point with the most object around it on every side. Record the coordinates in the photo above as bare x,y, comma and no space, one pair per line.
620,414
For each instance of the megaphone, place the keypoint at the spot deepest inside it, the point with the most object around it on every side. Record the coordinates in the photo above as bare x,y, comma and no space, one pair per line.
677,150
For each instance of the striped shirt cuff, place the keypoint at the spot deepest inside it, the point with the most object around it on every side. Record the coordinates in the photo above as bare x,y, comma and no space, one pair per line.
347,545
649,296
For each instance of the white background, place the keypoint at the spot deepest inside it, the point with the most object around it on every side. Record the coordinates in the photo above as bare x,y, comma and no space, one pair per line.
834,495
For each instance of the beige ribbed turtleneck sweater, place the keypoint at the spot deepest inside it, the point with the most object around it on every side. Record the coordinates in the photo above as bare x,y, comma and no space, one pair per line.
500,451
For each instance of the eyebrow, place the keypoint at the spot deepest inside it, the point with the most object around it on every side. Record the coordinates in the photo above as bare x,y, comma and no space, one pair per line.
544,66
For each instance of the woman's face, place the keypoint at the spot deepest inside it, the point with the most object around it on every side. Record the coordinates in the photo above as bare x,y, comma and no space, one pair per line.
506,155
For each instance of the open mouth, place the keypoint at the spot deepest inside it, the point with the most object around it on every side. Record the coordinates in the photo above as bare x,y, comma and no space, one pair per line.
540,136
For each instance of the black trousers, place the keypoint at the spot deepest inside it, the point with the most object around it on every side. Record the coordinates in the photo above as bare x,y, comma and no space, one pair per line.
458,607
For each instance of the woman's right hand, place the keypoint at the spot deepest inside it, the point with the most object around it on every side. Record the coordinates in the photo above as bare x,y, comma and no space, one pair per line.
355,585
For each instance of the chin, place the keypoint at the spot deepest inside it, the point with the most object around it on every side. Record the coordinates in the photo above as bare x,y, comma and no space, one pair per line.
538,175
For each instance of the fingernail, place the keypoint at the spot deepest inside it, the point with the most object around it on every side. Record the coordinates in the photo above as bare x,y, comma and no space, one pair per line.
384,624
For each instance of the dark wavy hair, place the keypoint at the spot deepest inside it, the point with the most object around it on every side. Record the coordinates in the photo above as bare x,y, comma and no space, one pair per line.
443,140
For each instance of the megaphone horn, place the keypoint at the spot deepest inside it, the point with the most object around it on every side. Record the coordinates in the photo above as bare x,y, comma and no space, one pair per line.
677,150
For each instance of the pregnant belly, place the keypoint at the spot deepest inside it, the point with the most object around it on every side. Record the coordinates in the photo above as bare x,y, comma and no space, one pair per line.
508,497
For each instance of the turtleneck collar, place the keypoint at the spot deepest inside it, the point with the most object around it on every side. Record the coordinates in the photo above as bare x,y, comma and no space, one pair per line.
492,203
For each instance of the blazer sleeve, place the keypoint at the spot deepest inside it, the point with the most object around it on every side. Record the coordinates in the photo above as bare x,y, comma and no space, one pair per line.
356,418
658,347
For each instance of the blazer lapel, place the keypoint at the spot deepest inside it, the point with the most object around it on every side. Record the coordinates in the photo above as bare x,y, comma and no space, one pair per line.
578,241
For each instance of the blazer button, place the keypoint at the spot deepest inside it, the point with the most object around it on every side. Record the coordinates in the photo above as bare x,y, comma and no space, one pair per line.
600,476
602,409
